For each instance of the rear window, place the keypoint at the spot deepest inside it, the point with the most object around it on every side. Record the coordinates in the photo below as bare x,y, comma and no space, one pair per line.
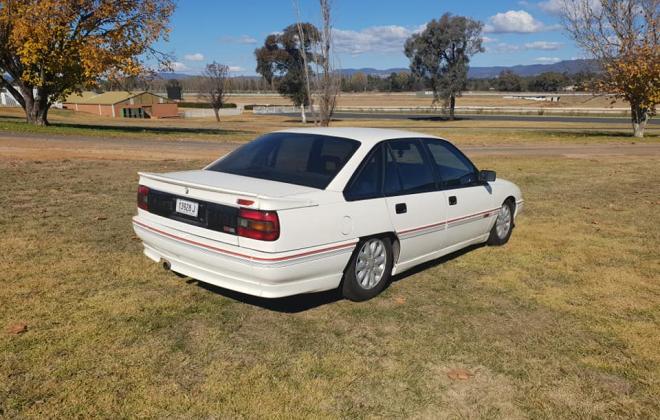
302,159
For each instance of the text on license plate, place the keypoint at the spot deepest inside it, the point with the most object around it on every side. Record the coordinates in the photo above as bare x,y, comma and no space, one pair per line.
189,208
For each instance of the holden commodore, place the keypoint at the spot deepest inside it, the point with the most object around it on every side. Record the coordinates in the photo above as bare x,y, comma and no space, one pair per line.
308,210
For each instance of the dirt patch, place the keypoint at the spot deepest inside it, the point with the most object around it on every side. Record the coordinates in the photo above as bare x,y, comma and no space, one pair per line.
479,394
58,148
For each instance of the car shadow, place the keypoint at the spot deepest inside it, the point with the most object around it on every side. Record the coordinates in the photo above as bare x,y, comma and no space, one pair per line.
289,304
304,302
436,262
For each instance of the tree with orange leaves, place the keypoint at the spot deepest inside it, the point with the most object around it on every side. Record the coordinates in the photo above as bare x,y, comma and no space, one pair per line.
623,35
52,48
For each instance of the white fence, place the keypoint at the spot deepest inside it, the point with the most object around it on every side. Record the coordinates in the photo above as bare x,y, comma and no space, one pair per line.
6,99
277,109
206,112
513,110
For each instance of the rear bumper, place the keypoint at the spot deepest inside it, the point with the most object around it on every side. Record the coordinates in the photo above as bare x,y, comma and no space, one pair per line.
269,275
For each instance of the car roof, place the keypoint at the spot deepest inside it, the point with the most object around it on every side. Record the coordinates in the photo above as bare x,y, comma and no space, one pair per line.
367,136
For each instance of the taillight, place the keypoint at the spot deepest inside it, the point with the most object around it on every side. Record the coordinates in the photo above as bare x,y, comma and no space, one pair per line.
143,197
258,224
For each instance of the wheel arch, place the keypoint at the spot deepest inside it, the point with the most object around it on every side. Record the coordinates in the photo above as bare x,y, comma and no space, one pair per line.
511,199
394,240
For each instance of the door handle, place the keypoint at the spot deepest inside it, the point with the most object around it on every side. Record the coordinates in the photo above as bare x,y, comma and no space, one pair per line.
452,200
401,208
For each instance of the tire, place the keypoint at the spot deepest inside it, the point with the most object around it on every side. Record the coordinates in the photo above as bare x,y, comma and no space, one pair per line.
366,276
503,227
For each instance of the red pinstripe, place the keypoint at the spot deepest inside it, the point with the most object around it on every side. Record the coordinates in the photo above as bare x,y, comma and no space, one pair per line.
237,254
485,213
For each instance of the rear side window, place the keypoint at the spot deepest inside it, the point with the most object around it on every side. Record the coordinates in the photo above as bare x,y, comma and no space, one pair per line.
415,172
295,158
367,183
392,183
454,169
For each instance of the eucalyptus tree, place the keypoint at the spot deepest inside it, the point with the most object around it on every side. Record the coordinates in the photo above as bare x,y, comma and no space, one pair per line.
440,55
286,58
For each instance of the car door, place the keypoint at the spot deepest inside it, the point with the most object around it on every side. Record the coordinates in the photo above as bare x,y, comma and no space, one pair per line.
416,208
469,202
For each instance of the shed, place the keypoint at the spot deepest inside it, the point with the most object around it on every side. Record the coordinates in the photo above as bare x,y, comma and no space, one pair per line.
124,104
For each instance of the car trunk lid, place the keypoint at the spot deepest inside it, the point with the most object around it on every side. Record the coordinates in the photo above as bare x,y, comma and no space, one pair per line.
211,200
224,188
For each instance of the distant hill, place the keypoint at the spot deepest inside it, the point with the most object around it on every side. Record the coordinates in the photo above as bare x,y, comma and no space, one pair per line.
568,66
172,75
374,72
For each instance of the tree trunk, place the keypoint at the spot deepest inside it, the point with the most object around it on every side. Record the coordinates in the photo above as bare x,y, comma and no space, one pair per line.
35,106
36,112
452,105
216,112
639,116
303,117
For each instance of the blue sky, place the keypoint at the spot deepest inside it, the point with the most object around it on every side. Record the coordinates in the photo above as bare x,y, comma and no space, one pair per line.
368,33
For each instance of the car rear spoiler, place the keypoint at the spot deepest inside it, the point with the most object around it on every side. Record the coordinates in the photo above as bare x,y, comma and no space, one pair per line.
229,196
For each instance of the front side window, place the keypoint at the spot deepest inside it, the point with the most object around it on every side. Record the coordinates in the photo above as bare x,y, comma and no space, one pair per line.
415,172
303,159
454,169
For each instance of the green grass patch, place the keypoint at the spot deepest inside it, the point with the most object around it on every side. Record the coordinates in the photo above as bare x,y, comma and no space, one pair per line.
560,323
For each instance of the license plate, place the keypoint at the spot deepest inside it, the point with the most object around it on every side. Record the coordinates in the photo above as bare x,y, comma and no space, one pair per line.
189,208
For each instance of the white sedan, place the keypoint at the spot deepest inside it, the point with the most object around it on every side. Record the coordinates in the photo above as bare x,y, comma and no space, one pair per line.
308,210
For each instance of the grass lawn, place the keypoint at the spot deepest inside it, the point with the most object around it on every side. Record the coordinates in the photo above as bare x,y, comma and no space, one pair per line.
248,126
563,322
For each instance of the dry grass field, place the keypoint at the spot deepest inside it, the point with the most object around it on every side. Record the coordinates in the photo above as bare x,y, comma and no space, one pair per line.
563,322
247,126
411,100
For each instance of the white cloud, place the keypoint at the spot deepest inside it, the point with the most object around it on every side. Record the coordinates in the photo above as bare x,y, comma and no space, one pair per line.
543,45
242,39
504,47
194,57
547,60
383,39
556,7
236,69
515,21
179,66
487,39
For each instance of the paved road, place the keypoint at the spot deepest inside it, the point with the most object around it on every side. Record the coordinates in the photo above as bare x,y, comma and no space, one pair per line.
22,146
475,117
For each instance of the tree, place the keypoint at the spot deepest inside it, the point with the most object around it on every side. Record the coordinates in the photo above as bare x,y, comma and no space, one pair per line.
302,42
623,36
51,48
548,82
174,89
283,60
214,86
441,53
328,81
359,82
509,81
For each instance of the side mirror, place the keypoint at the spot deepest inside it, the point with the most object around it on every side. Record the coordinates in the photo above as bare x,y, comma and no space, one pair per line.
487,176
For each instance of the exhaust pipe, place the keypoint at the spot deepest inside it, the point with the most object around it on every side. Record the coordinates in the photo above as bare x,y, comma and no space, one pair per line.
167,266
